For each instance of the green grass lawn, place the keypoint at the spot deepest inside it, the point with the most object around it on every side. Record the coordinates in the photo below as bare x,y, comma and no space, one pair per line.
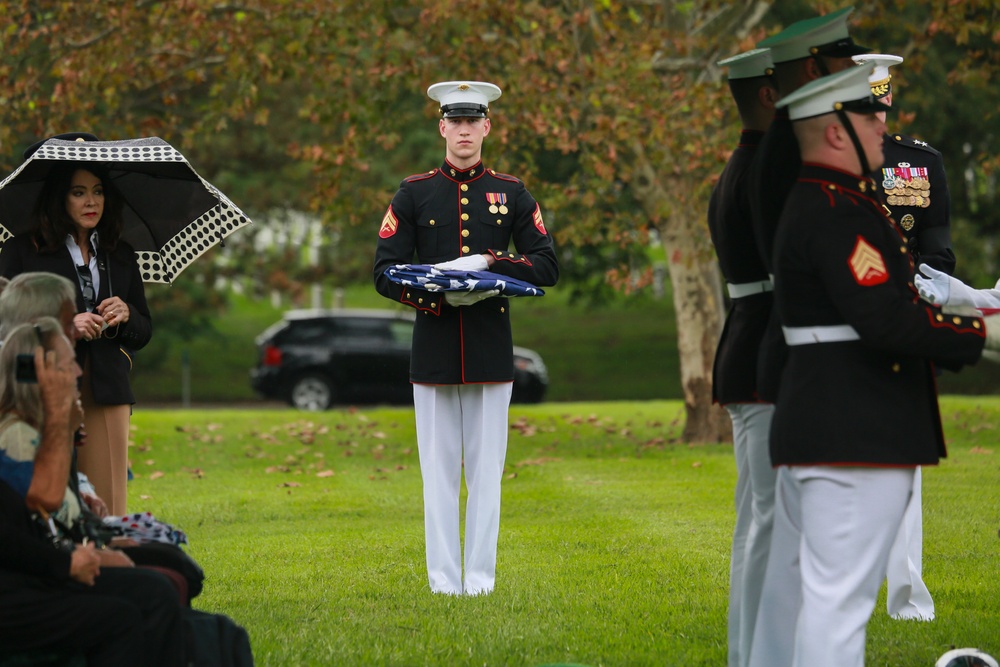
614,539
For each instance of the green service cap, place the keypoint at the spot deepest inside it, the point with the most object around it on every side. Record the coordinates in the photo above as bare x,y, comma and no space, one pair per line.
749,64
821,35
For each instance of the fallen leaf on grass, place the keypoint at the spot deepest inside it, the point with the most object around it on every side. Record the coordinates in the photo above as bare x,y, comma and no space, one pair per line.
511,476
145,497
523,427
536,462
288,484
271,469
157,475
696,464
325,473
196,472
980,450
149,462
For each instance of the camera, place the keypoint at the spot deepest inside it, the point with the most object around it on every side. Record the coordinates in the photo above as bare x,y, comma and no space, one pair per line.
25,371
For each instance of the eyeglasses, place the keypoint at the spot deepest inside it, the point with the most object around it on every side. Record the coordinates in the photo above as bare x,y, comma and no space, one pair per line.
87,286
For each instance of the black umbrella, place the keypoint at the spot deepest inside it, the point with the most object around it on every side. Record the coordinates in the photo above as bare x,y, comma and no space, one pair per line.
171,214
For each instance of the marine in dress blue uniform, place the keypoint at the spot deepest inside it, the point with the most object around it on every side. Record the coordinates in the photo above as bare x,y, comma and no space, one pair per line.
734,374
462,215
858,407
904,184
801,53
912,182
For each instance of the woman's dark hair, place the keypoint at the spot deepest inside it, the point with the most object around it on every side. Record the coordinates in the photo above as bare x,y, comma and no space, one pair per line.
52,220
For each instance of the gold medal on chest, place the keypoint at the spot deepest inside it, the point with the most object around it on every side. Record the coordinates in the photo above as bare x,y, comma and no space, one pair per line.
497,201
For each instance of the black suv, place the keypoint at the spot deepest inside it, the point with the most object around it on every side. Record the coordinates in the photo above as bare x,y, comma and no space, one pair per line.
316,358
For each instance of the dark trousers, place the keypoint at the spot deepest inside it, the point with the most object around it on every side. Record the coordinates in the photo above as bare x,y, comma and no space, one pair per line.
131,616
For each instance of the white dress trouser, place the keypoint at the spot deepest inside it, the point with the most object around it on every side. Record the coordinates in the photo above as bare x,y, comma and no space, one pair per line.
833,528
755,479
455,423
907,596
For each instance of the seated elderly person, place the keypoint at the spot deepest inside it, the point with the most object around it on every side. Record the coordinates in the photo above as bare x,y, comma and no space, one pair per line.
43,414
27,297
45,587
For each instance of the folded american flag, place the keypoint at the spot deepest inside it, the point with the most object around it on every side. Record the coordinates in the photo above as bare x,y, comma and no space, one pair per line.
425,276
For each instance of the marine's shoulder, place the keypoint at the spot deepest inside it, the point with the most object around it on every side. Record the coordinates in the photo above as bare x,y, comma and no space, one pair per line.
898,142
422,176
504,177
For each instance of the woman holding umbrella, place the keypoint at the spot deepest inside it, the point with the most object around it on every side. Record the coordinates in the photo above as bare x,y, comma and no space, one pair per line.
77,226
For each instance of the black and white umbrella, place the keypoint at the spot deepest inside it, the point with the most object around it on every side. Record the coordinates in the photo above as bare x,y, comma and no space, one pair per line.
171,214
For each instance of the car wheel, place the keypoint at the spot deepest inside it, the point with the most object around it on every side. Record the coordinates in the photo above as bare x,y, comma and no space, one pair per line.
311,392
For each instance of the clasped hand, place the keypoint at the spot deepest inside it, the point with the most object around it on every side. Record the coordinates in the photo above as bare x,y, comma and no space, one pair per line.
467,263
468,298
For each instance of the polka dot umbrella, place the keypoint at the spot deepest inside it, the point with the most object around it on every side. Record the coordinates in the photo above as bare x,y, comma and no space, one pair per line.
172,215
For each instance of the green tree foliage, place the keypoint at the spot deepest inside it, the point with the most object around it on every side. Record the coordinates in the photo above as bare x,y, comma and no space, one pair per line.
320,105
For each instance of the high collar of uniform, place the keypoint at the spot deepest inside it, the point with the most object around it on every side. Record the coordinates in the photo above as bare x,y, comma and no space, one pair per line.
461,175
750,137
837,178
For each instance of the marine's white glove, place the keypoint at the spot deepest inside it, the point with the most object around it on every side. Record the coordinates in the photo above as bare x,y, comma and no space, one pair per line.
935,287
467,263
469,298
940,288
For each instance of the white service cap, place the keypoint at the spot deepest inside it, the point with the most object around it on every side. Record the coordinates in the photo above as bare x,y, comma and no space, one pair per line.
464,98
847,89
880,77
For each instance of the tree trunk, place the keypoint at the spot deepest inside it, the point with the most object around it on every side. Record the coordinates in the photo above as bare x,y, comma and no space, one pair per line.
699,311
698,305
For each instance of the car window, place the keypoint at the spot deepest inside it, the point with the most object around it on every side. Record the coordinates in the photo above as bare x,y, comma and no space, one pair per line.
307,331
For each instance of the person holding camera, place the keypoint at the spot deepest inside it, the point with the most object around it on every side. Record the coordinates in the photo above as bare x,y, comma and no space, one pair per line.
81,596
